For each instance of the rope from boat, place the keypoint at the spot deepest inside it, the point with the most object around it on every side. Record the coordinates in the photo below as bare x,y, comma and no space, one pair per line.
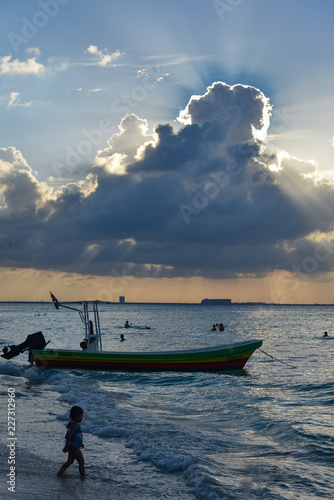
276,359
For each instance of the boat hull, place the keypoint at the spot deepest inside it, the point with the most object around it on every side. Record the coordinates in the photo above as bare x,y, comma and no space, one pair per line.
219,358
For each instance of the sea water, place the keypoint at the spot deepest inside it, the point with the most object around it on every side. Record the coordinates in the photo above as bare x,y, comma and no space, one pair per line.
266,432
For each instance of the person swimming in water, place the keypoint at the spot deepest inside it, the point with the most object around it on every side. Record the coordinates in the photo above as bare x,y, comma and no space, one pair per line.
127,324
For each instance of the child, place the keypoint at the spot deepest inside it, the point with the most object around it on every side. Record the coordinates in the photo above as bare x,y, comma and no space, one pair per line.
74,442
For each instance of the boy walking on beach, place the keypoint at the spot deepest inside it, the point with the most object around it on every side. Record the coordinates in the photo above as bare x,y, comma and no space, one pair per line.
74,442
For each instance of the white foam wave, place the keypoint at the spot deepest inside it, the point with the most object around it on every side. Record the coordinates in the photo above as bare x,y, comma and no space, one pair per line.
106,417
166,458
8,368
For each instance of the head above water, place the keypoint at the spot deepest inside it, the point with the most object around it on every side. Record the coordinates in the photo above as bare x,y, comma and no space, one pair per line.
76,412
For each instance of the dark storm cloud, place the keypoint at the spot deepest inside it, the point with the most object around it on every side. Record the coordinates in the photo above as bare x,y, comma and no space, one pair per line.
205,200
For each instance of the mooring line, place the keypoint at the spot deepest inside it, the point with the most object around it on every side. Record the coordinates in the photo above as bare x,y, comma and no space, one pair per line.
276,359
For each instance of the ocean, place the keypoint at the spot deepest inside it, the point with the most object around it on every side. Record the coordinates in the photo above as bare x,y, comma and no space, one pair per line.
264,433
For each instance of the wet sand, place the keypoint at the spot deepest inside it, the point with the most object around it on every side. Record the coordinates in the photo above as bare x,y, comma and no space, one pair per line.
36,479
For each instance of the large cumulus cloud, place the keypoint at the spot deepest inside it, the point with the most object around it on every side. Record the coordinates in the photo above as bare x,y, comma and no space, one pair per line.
205,199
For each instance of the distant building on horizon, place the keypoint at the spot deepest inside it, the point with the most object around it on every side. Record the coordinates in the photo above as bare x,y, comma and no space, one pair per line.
122,299
216,302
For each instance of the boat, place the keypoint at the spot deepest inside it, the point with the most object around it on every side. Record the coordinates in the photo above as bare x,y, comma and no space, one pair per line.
218,358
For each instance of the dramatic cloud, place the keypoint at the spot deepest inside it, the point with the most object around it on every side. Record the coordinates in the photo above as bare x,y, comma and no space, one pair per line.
206,199
125,146
20,190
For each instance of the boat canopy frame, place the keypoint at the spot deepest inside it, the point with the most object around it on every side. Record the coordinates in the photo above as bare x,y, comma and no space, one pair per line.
93,338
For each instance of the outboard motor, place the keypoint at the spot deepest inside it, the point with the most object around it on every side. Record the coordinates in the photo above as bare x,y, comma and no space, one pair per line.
33,341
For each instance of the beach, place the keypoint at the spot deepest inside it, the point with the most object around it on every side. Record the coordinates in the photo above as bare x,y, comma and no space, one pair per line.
265,433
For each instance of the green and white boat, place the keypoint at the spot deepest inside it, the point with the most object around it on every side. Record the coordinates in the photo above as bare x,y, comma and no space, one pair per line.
218,358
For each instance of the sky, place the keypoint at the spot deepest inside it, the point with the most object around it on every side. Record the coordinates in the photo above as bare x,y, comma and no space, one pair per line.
167,151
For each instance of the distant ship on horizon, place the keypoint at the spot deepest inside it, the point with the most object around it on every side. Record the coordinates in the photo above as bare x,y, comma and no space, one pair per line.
216,302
